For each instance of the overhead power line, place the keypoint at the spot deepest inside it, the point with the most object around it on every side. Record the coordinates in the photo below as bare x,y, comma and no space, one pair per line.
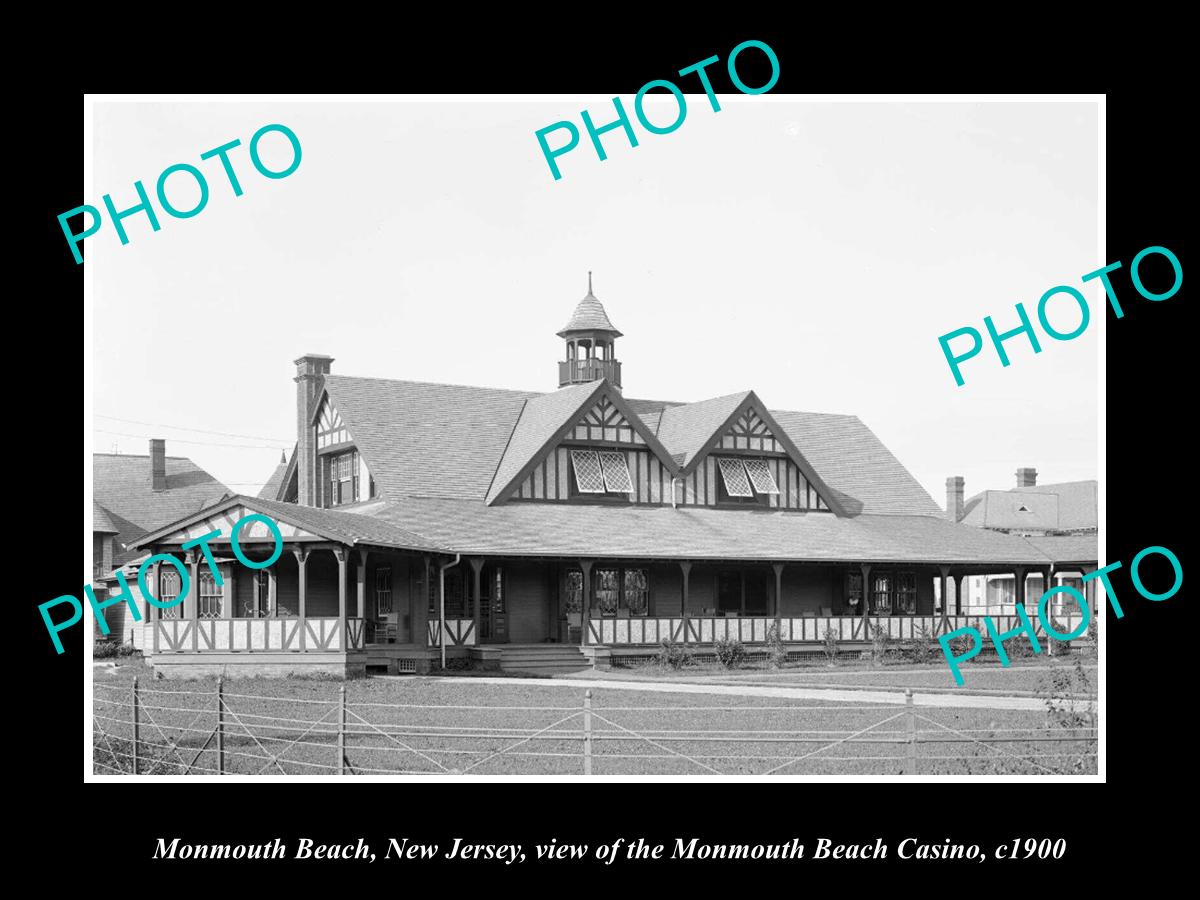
252,437
278,446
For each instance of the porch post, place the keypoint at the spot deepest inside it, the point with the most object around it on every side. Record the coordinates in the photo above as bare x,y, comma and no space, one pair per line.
154,613
1047,583
360,600
959,580
866,599
340,553
683,601
302,589
778,567
420,613
193,561
476,569
1019,573
272,593
585,566
226,592
945,572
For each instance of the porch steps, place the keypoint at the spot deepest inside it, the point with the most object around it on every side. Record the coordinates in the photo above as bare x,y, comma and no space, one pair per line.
547,659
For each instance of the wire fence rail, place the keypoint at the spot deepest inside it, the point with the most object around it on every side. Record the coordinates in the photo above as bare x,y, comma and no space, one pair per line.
144,731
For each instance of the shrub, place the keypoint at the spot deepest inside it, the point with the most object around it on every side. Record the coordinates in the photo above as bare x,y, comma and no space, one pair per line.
881,643
673,654
921,647
776,651
112,650
1057,647
830,645
730,652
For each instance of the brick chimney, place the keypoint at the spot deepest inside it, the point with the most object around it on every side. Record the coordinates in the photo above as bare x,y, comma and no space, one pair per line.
955,488
310,371
158,464
1026,478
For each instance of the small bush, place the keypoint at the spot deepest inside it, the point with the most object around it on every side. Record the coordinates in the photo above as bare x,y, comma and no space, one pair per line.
830,645
730,652
112,650
673,655
921,647
1057,647
776,651
881,644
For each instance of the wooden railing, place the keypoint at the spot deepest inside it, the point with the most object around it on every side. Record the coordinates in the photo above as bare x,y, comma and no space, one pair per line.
792,629
255,635
583,370
459,632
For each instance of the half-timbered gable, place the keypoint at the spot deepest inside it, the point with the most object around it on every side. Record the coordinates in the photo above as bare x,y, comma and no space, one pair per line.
342,475
734,454
598,451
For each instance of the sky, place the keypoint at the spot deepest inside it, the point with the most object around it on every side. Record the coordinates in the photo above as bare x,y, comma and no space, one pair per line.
812,252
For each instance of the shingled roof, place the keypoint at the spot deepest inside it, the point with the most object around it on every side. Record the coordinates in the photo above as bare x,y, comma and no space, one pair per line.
121,485
1069,506
684,430
270,490
589,315
695,532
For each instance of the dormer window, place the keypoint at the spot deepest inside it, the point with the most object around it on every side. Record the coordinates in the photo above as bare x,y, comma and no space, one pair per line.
745,480
341,478
1023,508
601,472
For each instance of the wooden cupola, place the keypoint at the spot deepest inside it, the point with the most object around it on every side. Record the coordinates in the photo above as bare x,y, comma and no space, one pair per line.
591,345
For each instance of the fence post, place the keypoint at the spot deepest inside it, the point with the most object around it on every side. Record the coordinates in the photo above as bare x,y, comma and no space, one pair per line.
341,736
220,724
136,730
587,732
911,720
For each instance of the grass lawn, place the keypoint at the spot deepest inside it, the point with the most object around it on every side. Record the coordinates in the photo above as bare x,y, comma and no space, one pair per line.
416,724
1023,677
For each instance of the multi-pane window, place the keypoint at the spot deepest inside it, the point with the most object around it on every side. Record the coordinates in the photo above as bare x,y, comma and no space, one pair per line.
906,593
341,478
168,590
881,593
746,479
607,596
636,592
210,597
601,472
383,590
614,589
573,592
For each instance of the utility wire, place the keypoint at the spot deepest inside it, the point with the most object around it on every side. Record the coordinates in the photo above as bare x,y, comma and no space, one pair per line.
253,437
205,443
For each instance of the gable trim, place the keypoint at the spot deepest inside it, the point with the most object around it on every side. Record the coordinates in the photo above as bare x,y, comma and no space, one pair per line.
780,435
614,396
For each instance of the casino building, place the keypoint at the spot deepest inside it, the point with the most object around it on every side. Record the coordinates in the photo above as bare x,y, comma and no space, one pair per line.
564,529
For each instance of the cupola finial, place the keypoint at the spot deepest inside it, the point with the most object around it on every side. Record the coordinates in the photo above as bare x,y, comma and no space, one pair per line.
589,281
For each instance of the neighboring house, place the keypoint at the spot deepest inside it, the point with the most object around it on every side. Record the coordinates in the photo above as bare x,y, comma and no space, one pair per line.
1059,519
567,526
132,495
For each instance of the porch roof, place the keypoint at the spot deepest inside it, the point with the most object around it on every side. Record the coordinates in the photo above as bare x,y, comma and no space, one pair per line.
350,528
1068,548
544,529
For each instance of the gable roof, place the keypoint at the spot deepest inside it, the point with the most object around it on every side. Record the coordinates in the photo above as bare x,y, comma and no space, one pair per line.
861,472
589,315
101,523
547,419
121,485
685,430
271,490
1069,506
421,439
427,440
332,524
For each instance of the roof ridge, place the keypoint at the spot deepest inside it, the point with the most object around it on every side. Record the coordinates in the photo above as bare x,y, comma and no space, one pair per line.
477,387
